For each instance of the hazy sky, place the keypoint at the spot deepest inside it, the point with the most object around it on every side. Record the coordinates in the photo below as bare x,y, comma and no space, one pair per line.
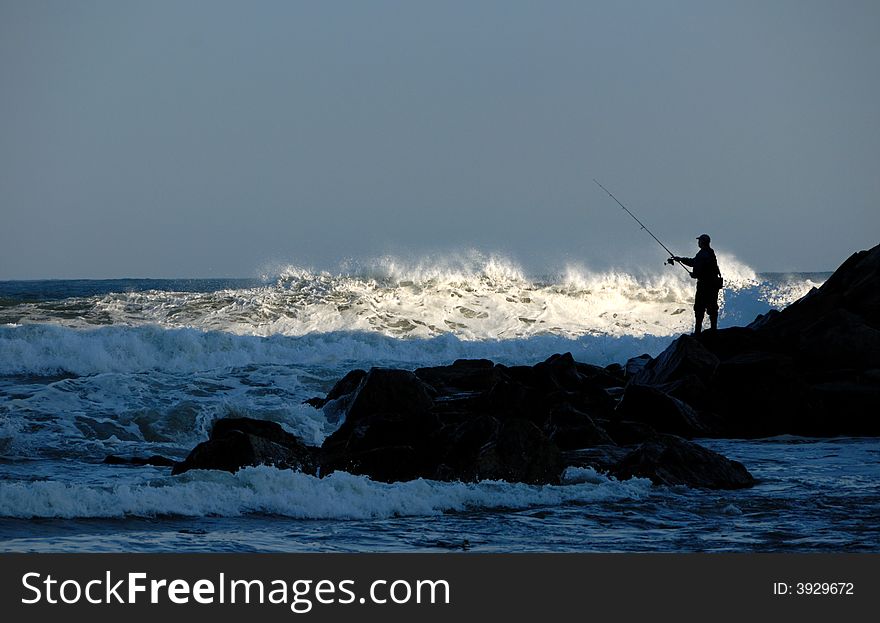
206,138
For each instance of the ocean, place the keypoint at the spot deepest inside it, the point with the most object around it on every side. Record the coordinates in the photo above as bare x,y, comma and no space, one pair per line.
136,367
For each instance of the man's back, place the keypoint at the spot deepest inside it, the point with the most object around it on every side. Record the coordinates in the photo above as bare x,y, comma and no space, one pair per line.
705,265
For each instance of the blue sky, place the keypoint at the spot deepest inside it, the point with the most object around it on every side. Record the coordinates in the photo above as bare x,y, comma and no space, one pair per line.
197,138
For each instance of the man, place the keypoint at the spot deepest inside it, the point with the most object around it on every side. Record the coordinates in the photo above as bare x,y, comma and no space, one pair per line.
708,276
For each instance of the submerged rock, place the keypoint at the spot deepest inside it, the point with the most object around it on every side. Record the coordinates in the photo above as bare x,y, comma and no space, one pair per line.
669,460
235,443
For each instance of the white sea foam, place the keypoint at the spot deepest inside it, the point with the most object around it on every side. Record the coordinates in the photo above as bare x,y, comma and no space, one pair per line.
267,490
470,297
50,349
788,291
384,312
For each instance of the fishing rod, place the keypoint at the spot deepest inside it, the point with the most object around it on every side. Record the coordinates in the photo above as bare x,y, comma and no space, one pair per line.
671,254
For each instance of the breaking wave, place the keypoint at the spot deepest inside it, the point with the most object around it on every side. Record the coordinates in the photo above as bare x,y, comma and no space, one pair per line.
266,490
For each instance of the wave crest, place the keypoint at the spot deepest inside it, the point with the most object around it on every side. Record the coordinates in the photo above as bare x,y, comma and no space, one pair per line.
471,297
267,490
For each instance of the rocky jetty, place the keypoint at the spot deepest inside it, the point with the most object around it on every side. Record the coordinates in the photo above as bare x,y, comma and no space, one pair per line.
811,369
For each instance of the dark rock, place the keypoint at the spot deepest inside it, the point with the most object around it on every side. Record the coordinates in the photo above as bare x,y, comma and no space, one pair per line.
559,371
603,458
237,449
669,460
664,413
595,400
610,376
520,453
390,408
762,394
511,398
732,341
346,385
616,370
839,339
852,288
384,464
634,365
386,391
465,375
685,356
235,443
854,405
691,390
473,364
572,429
628,432
462,445
272,431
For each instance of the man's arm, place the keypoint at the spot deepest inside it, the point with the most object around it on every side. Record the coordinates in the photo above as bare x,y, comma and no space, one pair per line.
684,260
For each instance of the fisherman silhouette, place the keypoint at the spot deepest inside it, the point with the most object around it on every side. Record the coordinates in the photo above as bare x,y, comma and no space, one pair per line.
709,282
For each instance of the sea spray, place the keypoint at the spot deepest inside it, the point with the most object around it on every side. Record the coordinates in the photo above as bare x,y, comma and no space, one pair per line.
472,298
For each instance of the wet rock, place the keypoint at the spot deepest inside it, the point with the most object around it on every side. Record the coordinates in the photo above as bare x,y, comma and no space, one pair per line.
660,411
511,398
634,365
605,378
460,447
345,386
384,463
628,432
603,458
839,339
669,460
691,390
685,356
571,429
616,371
732,341
389,408
760,394
520,452
852,288
558,372
854,403
243,442
464,375
271,431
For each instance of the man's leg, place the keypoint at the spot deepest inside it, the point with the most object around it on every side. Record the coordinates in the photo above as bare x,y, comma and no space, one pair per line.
699,310
712,308
698,326
713,319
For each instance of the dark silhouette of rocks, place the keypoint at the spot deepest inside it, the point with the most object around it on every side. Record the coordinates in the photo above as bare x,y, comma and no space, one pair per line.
669,460
659,410
810,369
240,442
